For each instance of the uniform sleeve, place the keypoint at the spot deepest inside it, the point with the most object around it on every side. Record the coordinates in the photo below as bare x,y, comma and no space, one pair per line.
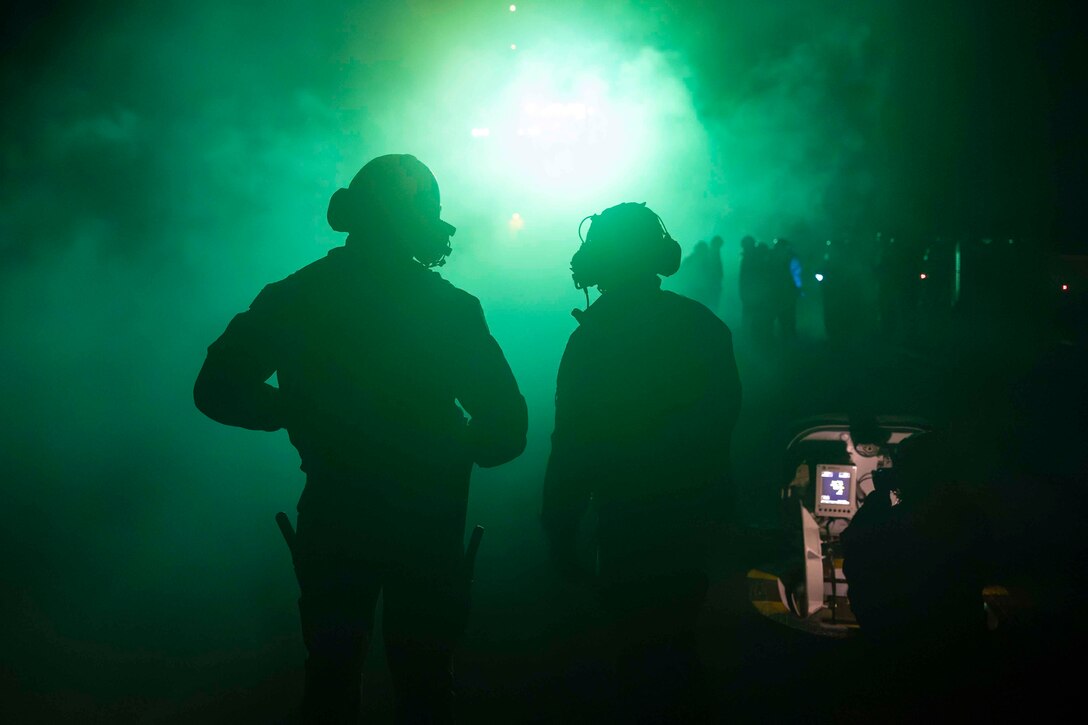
232,387
722,401
715,417
567,479
489,393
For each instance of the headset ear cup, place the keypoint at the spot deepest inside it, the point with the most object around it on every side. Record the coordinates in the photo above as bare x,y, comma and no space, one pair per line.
670,257
626,243
343,213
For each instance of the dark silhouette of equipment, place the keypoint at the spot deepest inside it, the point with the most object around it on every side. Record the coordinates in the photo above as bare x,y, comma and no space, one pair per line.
473,549
286,530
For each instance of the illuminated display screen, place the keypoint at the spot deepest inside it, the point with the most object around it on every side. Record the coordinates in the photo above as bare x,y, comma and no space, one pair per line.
835,487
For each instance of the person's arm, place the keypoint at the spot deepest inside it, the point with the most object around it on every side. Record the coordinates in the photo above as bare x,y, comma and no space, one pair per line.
232,386
489,393
725,388
721,409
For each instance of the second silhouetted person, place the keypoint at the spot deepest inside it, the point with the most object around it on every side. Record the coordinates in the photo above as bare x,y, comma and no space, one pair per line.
646,401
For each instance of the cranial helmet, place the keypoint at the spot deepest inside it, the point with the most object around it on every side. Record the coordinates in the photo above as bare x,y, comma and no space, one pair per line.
395,196
626,241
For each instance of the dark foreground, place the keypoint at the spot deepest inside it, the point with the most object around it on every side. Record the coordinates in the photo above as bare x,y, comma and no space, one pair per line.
533,649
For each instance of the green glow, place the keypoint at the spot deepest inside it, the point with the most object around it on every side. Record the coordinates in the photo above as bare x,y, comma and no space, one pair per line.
571,123
166,160
562,130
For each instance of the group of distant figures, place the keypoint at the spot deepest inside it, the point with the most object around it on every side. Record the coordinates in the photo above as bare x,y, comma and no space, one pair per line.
770,283
899,290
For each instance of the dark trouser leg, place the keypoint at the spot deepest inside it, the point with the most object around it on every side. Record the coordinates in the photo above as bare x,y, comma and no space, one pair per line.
337,610
423,677
789,319
657,663
422,619
763,320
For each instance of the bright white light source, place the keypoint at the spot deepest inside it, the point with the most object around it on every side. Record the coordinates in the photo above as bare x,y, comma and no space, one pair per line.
922,275
819,277
516,222
557,111
565,118
481,132
1065,288
513,8
513,46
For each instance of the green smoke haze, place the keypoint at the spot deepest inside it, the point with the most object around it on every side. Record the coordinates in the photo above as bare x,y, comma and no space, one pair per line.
163,161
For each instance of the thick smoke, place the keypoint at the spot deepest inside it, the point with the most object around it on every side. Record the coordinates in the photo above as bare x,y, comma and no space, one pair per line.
162,162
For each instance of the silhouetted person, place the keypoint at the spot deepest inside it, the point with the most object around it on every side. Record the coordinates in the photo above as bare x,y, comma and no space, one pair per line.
843,295
646,401
916,571
755,290
693,278
785,283
897,294
700,274
373,352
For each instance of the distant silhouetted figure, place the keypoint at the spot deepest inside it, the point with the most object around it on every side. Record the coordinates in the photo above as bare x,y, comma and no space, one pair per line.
373,352
916,571
785,283
693,277
756,294
700,274
842,288
646,401
897,275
